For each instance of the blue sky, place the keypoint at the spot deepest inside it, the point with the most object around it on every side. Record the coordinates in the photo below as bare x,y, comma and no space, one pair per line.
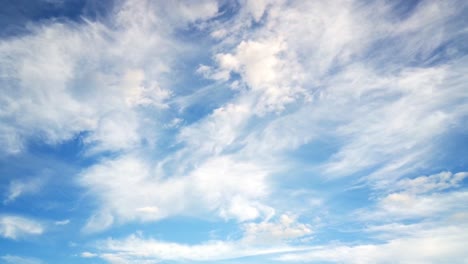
249,131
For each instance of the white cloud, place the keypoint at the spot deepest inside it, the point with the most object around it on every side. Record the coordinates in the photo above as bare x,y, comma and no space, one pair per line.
199,10
441,245
296,71
428,197
11,259
177,14
257,8
269,233
325,52
88,255
384,133
304,73
217,131
410,206
99,221
16,227
258,239
436,182
55,85
381,113
19,188
115,131
231,188
62,222
273,76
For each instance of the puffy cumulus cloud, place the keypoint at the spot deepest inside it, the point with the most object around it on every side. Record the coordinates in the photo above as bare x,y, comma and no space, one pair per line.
442,244
224,185
234,188
264,238
272,75
17,227
268,233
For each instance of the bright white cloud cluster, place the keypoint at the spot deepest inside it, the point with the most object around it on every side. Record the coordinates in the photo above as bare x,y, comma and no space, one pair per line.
219,185
264,66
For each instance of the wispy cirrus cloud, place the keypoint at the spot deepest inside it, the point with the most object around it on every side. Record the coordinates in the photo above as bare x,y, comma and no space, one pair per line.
20,260
19,188
428,197
237,112
263,238
294,85
438,244
17,227
58,86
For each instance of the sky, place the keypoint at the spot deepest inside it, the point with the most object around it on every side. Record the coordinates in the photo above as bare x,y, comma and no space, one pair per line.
233,131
